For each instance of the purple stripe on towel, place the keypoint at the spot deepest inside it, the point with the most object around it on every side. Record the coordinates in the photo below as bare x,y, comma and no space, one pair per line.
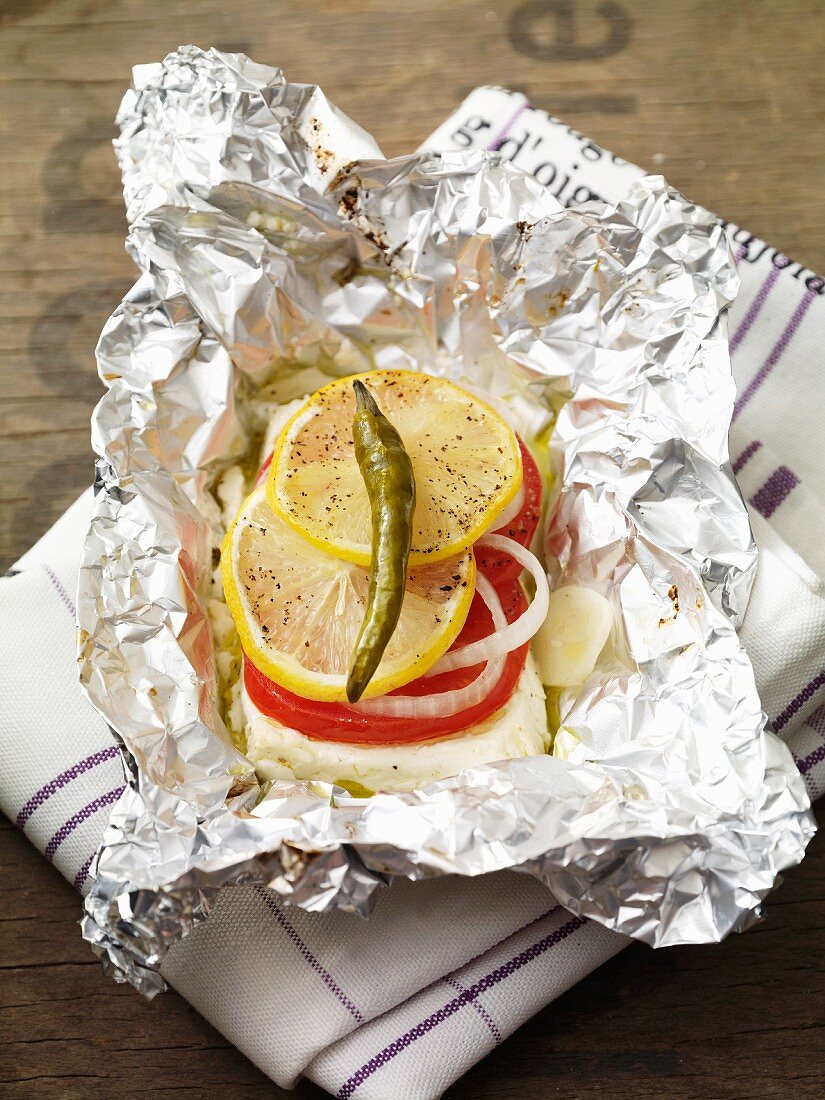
746,455
61,591
776,353
799,701
510,935
811,760
325,976
82,815
59,781
754,309
500,974
775,491
816,723
80,877
492,1026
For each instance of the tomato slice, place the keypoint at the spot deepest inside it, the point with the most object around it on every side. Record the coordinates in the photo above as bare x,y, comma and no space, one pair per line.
501,568
337,722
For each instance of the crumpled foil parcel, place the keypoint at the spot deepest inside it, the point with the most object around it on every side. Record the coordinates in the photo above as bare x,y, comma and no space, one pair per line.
669,809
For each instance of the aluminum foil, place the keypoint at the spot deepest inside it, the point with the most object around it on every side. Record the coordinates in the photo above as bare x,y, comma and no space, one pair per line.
668,808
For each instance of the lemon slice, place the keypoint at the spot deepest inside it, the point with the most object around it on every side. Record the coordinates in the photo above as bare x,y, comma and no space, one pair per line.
465,457
298,609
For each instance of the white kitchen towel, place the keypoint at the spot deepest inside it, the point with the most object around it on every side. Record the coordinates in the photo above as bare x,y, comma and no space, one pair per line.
445,970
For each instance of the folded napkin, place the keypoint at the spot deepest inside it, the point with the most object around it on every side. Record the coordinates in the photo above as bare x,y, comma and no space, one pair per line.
388,1009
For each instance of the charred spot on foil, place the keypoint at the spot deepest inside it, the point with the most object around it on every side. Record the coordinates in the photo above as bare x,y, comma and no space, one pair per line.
556,302
376,237
324,158
351,270
348,203
673,596
343,172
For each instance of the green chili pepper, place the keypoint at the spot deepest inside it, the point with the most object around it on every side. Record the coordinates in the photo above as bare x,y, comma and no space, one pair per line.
388,475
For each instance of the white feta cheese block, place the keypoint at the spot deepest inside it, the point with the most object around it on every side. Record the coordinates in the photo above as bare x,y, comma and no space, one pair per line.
518,729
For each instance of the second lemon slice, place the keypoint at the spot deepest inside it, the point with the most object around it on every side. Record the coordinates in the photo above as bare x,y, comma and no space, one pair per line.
465,457
298,609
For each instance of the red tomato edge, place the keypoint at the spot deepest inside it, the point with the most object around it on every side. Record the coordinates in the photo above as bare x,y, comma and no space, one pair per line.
500,568
324,721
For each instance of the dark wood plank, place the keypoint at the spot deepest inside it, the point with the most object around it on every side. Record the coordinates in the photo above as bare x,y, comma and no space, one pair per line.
709,94
67,1031
727,100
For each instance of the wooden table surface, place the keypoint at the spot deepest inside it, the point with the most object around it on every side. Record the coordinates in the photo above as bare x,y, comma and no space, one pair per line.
728,100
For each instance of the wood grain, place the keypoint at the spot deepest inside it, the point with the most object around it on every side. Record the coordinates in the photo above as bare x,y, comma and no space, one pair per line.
727,100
